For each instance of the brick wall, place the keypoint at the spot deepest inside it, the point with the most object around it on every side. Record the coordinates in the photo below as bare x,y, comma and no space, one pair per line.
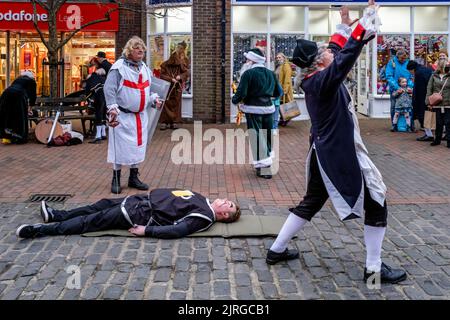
206,33
131,23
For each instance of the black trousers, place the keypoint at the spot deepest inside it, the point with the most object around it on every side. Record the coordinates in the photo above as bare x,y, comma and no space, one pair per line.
317,195
442,118
261,136
102,215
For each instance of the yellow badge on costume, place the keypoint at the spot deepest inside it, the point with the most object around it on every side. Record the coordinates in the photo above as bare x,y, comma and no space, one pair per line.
185,194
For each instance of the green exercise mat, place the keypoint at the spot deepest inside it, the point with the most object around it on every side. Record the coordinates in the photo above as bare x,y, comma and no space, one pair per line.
246,226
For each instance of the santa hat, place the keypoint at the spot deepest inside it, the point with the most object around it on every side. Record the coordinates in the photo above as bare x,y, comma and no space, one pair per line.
27,73
304,53
255,55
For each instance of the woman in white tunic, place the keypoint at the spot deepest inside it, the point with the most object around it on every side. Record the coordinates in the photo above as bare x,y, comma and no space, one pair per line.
128,96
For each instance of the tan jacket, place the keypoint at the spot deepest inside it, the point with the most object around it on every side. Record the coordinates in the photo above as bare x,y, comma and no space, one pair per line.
435,85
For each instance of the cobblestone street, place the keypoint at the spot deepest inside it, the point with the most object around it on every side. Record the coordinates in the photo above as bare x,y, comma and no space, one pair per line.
332,253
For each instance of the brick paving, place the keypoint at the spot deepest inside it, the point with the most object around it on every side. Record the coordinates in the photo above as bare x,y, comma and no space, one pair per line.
332,253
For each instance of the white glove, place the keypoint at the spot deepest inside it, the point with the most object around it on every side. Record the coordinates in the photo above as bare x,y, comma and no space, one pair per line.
370,21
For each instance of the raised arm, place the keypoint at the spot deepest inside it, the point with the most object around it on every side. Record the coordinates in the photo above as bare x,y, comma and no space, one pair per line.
429,90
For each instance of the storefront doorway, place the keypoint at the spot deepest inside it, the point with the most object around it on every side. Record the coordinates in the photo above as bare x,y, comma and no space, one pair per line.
21,47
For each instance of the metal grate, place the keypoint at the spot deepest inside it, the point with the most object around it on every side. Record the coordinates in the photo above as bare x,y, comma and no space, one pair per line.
49,197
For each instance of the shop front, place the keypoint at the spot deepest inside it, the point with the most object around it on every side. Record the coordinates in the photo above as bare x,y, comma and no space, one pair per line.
22,49
420,27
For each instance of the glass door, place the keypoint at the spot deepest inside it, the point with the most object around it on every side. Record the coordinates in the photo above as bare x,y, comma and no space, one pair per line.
363,75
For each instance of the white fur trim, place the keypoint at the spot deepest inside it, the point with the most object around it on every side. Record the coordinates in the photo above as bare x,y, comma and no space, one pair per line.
254,57
344,30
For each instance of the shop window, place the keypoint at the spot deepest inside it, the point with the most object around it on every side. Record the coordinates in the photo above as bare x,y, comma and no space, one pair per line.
430,19
287,19
394,19
79,52
179,19
249,18
241,44
426,48
157,21
3,61
318,22
387,46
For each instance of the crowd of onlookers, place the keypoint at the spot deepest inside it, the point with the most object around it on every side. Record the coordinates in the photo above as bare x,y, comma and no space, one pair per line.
420,93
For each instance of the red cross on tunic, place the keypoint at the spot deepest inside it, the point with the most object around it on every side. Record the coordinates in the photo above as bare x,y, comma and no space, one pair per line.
141,87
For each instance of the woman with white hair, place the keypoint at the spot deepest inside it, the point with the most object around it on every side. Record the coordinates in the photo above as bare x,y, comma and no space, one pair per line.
338,165
14,105
128,96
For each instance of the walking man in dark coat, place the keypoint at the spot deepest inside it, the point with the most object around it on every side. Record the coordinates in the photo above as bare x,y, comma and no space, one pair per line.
14,103
421,76
161,213
338,163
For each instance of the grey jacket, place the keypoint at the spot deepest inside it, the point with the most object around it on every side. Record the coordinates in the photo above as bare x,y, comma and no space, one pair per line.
435,85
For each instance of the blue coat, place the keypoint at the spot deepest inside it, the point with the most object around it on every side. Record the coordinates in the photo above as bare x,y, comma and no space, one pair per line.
332,127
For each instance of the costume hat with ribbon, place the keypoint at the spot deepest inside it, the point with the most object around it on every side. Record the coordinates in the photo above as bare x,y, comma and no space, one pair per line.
255,55
304,53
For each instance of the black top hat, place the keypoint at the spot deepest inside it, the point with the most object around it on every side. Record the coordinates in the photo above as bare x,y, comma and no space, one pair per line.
304,53
101,54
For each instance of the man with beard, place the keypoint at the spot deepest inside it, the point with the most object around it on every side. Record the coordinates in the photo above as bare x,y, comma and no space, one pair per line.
439,82
395,69
176,71
257,86
338,164
129,99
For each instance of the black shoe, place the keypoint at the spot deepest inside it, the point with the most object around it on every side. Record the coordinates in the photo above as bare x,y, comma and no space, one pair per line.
264,176
387,274
394,128
434,143
103,137
134,182
115,184
425,138
46,212
96,140
29,231
273,257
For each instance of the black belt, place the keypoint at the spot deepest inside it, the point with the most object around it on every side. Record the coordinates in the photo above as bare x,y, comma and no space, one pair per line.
126,110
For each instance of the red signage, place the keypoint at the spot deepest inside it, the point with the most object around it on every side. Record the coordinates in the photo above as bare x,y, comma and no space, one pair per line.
18,16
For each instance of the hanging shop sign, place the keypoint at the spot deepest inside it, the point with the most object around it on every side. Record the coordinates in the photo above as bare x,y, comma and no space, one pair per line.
18,16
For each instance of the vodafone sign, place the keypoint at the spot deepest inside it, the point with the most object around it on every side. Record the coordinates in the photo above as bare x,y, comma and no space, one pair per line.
18,16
